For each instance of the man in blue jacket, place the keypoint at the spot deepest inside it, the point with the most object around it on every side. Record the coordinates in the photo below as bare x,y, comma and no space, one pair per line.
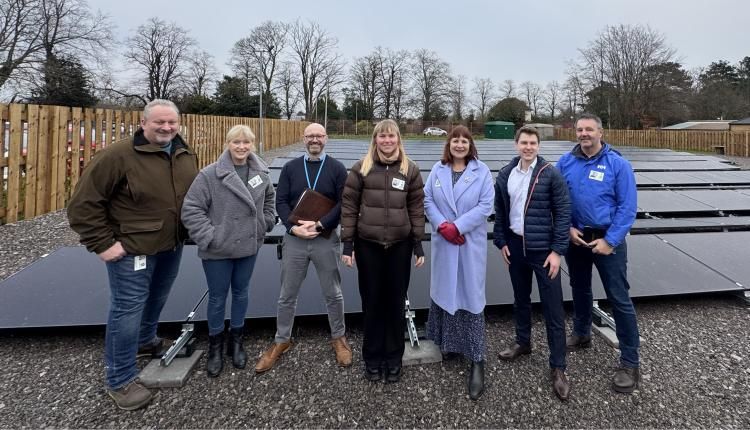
532,218
603,194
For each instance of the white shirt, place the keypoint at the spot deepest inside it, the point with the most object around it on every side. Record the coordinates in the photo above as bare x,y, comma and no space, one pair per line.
518,190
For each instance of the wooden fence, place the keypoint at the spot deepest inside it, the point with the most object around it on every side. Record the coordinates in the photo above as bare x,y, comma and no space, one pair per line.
39,146
721,142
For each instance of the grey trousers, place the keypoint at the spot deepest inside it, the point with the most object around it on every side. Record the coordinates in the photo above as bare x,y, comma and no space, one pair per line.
296,256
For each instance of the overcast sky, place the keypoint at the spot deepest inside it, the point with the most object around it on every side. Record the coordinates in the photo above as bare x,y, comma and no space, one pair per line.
519,40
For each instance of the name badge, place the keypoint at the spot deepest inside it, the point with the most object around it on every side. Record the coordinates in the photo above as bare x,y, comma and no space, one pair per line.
139,263
255,181
398,184
597,176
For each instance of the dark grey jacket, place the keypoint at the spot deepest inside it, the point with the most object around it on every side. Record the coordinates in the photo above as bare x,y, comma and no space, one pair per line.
546,222
225,217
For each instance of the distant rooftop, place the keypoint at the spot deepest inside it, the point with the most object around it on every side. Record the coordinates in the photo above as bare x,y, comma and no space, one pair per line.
701,125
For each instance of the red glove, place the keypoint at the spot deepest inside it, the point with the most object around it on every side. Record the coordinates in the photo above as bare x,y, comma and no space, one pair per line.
451,234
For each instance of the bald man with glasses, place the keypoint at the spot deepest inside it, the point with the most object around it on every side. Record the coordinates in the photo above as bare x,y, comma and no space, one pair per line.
308,241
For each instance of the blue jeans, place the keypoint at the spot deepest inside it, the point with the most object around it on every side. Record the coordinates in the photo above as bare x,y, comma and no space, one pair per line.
220,276
550,292
136,300
613,273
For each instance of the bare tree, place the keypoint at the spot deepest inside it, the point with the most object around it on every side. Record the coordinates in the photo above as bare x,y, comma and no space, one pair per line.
392,66
484,94
160,54
533,95
508,89
259,54
320,66
364,81
431,78
618,59
574,90
400,93
458,96
33,32
287,86
200,74
552,97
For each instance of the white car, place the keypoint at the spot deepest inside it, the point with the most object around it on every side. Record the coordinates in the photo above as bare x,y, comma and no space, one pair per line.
434,131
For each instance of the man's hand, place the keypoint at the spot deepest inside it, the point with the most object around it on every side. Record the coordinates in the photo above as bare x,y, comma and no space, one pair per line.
576,237
305,230
348,260
418,261
600,246
505,251
553,261
113,253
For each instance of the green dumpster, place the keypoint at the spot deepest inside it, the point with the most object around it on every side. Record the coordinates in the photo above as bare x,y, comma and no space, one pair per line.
499,130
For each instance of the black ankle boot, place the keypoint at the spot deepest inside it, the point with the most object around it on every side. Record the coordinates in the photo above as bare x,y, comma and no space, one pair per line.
235,348
215,362
476,380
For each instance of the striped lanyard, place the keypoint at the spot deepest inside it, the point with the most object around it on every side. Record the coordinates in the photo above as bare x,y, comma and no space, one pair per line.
307,176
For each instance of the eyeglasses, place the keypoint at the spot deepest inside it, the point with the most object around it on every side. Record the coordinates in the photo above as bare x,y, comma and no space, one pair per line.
315,136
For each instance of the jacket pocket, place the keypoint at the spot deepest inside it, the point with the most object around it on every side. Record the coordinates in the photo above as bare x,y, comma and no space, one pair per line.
141,226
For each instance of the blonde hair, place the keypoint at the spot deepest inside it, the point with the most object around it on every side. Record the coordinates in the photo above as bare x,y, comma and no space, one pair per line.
240,130
384,126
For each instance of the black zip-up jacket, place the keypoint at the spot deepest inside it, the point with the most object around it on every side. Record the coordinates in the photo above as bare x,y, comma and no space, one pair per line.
547,214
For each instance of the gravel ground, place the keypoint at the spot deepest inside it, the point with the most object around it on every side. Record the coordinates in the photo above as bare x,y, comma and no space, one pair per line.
696,373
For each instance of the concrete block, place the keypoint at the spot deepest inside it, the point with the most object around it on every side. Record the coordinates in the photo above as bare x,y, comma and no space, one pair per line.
426,352
172,376
609,335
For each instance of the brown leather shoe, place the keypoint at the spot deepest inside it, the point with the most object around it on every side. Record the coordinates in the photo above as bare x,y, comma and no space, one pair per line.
271,356
343,351
575,342
514,351
560,384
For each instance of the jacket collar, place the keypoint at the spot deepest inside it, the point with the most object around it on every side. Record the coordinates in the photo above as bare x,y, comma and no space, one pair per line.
577,152
453,194
225,166
140,143
540,161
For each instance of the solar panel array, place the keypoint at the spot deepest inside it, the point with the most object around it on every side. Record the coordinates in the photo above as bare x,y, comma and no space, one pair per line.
691,236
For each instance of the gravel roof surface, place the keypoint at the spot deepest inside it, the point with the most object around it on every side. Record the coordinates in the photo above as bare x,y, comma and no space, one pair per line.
695,367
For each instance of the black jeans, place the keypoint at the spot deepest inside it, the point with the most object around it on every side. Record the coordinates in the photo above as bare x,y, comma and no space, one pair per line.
550,292
383,275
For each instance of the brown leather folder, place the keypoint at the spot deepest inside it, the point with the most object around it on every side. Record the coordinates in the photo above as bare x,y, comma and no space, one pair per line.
311,206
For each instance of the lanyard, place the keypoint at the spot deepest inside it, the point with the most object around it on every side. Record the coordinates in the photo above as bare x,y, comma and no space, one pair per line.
307,176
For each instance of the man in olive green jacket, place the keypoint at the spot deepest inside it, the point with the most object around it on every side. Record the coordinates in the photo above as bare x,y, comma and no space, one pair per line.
126,209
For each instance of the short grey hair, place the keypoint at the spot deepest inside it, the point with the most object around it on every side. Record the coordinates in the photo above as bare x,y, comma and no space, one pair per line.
596,118
159,102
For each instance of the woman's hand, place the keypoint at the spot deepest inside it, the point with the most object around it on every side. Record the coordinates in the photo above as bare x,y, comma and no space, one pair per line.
418,261
348,260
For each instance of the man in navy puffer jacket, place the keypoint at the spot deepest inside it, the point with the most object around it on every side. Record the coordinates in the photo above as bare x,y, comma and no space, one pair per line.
532,218
603,193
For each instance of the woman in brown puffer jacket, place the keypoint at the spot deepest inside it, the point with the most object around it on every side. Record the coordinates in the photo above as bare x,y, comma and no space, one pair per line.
382,223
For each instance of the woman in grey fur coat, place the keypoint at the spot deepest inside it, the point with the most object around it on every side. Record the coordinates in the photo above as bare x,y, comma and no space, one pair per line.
228,210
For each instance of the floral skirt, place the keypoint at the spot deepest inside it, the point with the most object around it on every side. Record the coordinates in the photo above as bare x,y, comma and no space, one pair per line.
461,333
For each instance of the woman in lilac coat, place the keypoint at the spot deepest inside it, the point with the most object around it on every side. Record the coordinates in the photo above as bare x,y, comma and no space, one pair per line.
459,195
